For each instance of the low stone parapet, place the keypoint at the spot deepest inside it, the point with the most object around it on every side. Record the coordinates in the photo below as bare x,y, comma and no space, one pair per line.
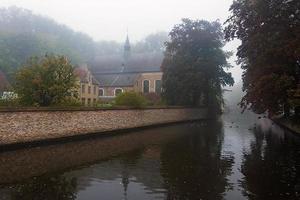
26,126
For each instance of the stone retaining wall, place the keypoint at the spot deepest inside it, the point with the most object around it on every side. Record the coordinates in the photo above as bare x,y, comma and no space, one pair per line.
27,126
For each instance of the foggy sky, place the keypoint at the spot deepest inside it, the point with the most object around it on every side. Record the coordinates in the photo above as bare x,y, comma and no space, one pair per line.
109,19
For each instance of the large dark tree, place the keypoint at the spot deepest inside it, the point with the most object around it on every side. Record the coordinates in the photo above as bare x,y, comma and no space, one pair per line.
269,53
194,64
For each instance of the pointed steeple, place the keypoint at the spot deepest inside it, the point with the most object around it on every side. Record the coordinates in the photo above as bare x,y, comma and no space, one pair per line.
126,49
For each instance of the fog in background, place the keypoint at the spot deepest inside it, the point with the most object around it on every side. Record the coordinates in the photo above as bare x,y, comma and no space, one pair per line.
110,19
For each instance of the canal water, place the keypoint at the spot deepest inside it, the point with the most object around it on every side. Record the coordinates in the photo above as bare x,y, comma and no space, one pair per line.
235,157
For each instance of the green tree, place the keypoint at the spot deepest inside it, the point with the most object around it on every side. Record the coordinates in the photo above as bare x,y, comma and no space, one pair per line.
45,81
194,64
269,52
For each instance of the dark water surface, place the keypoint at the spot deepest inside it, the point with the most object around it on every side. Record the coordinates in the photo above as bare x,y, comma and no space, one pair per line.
236,157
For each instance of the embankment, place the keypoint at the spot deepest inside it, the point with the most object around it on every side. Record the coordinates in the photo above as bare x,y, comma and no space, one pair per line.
19,127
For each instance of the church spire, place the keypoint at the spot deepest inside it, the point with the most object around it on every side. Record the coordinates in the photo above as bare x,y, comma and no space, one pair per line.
127,48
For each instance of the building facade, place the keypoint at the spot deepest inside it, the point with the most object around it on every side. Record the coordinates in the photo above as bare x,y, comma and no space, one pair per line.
128,76
88,87
115,83
149,82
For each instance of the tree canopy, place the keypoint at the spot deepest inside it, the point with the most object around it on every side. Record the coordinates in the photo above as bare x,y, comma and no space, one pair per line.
194,64
269,52
45,81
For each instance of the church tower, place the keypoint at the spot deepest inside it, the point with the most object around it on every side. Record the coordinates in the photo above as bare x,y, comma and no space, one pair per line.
126,50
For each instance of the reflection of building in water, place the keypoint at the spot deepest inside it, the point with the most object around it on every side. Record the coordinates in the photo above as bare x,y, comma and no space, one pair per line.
62,157
140,166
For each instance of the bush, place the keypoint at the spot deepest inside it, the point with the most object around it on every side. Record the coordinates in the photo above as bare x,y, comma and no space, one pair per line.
9,103
9,99
131,99
68,102
153,99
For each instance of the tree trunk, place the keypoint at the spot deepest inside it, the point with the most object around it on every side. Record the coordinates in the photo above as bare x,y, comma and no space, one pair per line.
286,110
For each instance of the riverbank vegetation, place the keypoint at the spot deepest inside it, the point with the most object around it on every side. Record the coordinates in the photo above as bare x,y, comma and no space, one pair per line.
46,81
131,99
195,63
269,53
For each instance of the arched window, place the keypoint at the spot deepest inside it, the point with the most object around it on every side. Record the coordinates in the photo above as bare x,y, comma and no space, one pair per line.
101,92
118,91
146,86
158,86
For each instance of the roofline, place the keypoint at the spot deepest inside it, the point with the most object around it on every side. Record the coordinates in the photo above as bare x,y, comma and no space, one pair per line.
101,86
132,72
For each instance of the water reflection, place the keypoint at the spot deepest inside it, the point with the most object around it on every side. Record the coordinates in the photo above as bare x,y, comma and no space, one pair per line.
196,170
272,166
224,159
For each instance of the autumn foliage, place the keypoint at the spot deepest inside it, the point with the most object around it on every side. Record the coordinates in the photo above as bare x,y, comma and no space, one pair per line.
46,81
269,52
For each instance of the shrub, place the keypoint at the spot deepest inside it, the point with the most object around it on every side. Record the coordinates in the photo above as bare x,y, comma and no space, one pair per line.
153,99
105,105
9,99
131,99
68,102
9,102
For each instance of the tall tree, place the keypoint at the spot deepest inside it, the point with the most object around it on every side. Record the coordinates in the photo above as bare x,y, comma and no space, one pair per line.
45,81
194,64
269,52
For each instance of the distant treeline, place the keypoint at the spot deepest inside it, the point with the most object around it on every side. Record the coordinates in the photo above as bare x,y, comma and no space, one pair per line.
24,34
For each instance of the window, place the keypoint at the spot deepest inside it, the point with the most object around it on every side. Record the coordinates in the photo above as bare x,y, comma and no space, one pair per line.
118,91
83,101
94,89
101,92
89,89
89,101
94,102
158,86
82,88
146,84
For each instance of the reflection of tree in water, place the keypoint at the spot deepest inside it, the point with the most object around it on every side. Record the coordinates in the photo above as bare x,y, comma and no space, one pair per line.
272,167
46,188
193,167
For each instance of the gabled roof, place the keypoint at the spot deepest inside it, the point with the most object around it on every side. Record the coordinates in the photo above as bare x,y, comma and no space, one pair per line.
117,79
142,62
128,70
83,74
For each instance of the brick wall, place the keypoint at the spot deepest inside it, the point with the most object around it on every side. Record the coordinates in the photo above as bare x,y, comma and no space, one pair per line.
19,127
